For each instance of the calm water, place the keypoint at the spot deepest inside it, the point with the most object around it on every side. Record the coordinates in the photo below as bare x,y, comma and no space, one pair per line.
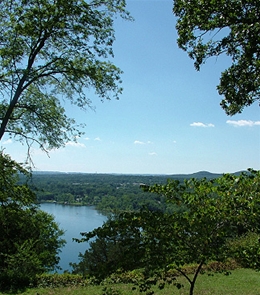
73,220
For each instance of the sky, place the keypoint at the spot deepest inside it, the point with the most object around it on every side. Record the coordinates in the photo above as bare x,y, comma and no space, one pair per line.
168,119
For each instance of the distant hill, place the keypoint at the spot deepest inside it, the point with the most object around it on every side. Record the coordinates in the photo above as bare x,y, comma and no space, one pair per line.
199,174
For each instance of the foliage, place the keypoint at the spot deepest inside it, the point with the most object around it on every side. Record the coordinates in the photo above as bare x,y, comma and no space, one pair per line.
107,192
59,280
117,245
215,211
241,282
52,51
213,28
11,193
29,238
246,250
125,277
210,214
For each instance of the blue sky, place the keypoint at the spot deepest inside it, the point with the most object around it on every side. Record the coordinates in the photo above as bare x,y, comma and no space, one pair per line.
168,119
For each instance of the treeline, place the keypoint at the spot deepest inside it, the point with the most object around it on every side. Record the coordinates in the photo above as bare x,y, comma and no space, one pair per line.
215,222
107,192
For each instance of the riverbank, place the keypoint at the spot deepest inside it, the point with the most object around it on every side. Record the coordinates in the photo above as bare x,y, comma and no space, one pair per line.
67,203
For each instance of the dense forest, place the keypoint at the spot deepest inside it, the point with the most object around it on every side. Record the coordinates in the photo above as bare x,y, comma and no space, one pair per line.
106,192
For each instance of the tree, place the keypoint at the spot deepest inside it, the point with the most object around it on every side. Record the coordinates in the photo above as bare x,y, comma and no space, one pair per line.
213,213
30,240
117,245
211,218
52,51
213,28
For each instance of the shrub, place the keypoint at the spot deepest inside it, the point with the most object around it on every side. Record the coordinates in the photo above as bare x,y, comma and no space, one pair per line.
246,250
60,280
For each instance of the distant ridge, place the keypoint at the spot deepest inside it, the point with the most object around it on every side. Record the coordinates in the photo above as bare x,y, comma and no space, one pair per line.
199,174
206,174
49,172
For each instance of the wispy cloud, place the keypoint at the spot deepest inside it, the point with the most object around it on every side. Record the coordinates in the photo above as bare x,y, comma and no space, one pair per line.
142,142
87,138
153,154
242,123
97,139
75,144
138,142
200,124
8,141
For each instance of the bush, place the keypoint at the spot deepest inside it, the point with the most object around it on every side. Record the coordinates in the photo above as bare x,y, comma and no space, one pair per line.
125,277
246,250
59,280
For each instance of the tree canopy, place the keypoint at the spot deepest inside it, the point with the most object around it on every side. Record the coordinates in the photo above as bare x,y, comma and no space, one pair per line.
214,220
52,51
218,27
30,239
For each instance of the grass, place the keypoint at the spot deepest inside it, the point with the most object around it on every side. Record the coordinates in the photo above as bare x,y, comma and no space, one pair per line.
240,282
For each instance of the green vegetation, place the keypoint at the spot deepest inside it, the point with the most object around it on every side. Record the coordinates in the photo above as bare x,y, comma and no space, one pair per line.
212,220
53,50
239,282
199,225
107,192
50,51
210,29
30,240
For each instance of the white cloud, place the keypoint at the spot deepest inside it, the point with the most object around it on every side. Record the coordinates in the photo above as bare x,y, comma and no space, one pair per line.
153,154
8,141
87,138
199,124
97,139
242,123
75,144
142,142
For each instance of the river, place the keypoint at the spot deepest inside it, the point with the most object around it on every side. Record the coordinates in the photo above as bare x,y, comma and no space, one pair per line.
73,220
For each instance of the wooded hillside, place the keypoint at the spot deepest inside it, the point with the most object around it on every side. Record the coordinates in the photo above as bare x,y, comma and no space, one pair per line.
105,191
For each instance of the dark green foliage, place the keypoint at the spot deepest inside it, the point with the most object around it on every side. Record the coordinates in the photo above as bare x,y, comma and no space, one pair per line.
207,29
210,214
117,245
30,240
246,250
59,280
126,242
